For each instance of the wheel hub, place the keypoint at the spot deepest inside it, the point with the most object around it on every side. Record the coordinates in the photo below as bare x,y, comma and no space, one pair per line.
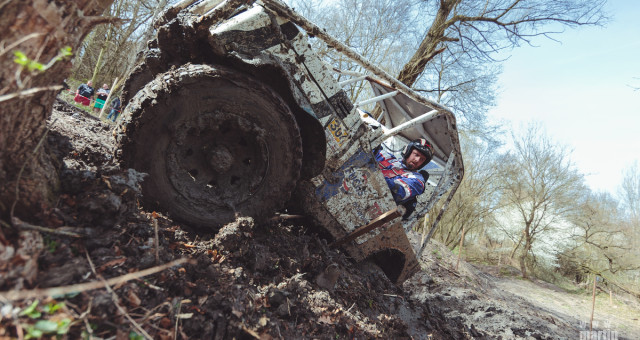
217,158
221,159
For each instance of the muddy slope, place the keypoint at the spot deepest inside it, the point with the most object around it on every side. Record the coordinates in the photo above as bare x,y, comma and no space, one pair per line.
245,281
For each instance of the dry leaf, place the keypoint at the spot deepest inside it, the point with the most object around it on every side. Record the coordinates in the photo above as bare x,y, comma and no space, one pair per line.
134,299
165,323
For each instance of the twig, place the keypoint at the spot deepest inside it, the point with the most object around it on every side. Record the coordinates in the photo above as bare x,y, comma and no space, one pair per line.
29,92
149,285
83,316
19,41
14,295
593,304
393,295
157,241
175,333
149,313
351,307
114,297
24,225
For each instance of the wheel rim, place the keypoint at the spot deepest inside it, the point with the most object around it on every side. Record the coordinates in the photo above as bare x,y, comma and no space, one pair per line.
216,144
217,158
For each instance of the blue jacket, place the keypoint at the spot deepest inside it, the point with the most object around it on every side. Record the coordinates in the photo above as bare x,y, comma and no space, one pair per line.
404,184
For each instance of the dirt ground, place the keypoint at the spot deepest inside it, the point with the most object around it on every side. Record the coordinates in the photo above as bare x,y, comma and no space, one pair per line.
246,281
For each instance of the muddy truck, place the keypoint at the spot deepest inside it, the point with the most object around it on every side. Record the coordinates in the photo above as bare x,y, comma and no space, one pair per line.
233,112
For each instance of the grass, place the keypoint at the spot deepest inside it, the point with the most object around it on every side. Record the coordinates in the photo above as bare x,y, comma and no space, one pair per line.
68,97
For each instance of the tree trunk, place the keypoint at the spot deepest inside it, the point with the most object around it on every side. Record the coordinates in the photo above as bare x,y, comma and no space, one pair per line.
39,29
523,265
525,252
429,46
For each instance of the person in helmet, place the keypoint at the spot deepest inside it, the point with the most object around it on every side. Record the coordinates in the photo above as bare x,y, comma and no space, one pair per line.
405,177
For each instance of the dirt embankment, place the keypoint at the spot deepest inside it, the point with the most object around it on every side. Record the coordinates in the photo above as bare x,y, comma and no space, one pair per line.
245,281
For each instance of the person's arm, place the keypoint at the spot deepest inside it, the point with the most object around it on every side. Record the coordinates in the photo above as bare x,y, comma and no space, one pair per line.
407,187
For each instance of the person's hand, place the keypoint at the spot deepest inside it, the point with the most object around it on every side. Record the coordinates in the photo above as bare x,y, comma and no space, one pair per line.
424,174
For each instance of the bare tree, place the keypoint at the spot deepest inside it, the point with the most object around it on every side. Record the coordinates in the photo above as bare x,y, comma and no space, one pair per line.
488,26
111,51
380,30
630,191
478,196
603,242
383,31
36,38
467,86
630,200
540,185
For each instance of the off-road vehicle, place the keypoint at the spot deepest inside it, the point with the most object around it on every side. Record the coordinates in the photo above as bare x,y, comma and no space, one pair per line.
233,112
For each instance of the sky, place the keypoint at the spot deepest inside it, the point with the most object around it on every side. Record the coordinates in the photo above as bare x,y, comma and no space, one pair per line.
580,89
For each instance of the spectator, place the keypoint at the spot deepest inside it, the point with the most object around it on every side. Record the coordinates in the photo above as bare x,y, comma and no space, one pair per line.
115,109
103,93
84,93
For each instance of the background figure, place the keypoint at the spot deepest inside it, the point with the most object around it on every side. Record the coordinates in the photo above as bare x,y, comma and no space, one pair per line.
115,109
103,93
84,93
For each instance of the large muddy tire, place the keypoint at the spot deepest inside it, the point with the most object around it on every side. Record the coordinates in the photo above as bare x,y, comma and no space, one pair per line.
214,142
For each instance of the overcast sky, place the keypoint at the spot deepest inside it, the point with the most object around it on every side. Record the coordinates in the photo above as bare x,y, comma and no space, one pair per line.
581,91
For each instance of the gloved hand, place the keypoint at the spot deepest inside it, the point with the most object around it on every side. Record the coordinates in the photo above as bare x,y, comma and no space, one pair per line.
410,205
424,174
377,149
